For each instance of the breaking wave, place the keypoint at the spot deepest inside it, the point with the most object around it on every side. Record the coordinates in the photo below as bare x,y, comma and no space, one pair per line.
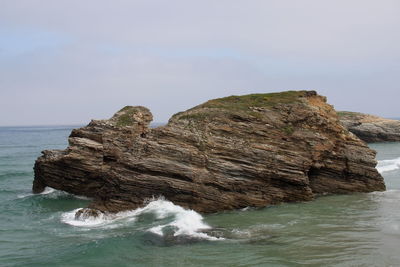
168,216
388,165
46,191
52,193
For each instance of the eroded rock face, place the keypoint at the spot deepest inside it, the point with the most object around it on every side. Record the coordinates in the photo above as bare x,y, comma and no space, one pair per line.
227,153
371,128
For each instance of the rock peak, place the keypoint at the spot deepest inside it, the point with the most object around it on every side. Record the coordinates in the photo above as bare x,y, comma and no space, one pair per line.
131,116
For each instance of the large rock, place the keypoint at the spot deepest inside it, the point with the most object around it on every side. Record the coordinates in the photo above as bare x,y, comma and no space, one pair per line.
228,153
371,128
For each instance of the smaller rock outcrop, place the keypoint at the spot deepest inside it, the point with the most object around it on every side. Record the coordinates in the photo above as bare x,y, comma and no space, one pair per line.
370,128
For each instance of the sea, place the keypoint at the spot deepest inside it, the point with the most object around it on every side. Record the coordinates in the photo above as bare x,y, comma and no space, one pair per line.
41,230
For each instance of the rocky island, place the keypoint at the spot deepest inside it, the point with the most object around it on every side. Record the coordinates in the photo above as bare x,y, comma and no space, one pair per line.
371,128
228,153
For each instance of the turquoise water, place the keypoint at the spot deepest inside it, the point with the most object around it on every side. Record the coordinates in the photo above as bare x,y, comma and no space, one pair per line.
40,230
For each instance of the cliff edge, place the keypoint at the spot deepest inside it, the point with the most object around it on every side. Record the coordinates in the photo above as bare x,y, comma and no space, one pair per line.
228,153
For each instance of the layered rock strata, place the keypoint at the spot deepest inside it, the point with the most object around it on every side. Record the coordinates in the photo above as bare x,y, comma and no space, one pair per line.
371,128
228,153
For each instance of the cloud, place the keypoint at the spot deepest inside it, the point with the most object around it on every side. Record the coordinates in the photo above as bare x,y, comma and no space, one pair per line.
69,61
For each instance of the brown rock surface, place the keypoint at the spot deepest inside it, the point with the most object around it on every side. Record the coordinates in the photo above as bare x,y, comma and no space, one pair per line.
228,153
371,128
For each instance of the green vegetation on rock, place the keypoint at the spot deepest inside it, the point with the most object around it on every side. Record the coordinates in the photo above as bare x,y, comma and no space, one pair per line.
125,116
233,105
347,113
254,100
288,130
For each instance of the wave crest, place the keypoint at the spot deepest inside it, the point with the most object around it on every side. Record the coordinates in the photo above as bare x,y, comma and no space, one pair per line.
52,193
183,222
388,165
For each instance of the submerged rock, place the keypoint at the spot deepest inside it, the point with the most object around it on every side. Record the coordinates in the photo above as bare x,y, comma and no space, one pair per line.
228,153
371,128
86,213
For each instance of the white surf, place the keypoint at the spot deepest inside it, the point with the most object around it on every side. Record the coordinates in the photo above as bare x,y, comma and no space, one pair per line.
388,165
183,221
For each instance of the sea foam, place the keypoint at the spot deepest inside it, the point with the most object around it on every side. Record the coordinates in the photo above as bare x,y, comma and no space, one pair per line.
185,222
52,193
388,165
46,191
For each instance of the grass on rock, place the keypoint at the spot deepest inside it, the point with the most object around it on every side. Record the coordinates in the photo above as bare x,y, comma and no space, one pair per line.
239,104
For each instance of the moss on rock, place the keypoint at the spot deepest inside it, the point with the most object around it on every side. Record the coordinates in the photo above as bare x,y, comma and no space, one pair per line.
131,115
241,105
254,100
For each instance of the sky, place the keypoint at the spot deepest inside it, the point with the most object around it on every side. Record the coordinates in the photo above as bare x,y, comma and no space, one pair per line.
70,61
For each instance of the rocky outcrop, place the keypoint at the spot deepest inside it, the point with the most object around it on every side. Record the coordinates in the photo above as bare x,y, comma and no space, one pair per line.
229,153
371,128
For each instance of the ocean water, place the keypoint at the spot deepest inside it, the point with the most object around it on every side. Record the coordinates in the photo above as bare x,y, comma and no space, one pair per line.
41,230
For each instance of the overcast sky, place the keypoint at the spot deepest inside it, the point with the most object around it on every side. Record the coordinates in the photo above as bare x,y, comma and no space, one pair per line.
69,61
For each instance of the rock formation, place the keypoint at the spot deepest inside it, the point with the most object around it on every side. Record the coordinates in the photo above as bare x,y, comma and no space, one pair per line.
229,153
371,128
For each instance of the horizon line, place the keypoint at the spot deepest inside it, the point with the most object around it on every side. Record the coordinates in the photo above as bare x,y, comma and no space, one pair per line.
60,125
